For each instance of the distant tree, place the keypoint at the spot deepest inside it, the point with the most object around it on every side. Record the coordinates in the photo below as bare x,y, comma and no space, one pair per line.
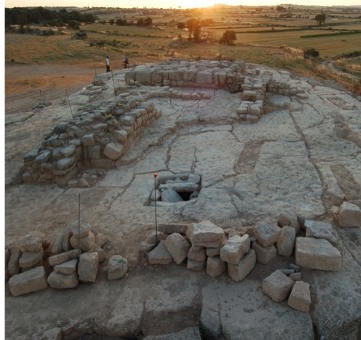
148,21
111,21
181,25
121,22
140,22
280,9
192,25
228,38
320,18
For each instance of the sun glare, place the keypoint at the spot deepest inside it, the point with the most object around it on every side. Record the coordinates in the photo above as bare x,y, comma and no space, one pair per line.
196,3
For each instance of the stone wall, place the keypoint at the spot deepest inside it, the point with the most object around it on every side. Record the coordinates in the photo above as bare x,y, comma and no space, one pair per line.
94,139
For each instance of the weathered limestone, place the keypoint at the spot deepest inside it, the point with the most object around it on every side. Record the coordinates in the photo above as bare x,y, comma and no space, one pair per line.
197,266
177,246
264,254
59,280
160,255
113,150
197,253
86,243
29,260
300,297
117,267
319,229
32,243
205,234
64,257
62,155
317,254
286,241
28,282
289,219
235,248
88,267
277,286
267,234
238,272
67,268
13,264
215,266
350,215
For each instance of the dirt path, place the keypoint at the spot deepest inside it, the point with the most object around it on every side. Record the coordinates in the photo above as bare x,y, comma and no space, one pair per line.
28,85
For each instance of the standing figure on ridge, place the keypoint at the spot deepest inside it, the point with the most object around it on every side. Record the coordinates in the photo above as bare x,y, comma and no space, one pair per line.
107,63
125,61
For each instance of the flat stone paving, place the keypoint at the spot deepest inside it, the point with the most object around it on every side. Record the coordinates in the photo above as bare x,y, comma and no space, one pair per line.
303,156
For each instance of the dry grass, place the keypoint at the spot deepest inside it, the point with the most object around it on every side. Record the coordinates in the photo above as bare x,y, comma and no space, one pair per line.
158,43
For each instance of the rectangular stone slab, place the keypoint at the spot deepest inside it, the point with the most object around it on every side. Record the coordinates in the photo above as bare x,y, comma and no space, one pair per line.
317,254
28,282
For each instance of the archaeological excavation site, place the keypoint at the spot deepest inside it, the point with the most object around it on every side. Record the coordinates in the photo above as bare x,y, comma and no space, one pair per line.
186,200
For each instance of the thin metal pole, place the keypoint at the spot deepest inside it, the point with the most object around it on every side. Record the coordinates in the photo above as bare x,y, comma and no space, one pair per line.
79,221
71,111
155,208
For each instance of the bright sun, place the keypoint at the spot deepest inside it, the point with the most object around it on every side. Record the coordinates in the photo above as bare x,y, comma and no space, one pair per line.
196,3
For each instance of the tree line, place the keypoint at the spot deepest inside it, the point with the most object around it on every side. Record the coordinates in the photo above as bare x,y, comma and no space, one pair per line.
30,16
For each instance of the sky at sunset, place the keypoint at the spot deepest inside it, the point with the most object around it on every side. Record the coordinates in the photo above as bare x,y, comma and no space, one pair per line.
172,3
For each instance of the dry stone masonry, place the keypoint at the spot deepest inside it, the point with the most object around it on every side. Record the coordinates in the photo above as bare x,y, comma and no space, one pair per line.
97,137
220,187
38,263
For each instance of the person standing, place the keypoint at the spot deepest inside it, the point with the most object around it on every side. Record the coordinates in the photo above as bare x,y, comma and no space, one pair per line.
107,63
125,61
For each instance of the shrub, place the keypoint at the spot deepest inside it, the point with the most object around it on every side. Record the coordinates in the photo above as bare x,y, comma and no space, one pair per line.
311,53
228,37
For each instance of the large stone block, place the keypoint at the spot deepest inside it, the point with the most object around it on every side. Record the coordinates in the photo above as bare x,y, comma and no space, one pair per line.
300,297
197,266
317,254
13,264
197,253
264,254
67,268
28,282
204,77
178,247
32,243
206,234
64,257
215,266
277,286
286,241
320,229
234,249
267,233
28,260
350,215
88,267
117,267
238,272
86,243
113,150
289,219
63,281
160,255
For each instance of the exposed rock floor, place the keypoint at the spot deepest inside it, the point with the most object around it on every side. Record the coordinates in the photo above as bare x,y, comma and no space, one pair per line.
303,156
